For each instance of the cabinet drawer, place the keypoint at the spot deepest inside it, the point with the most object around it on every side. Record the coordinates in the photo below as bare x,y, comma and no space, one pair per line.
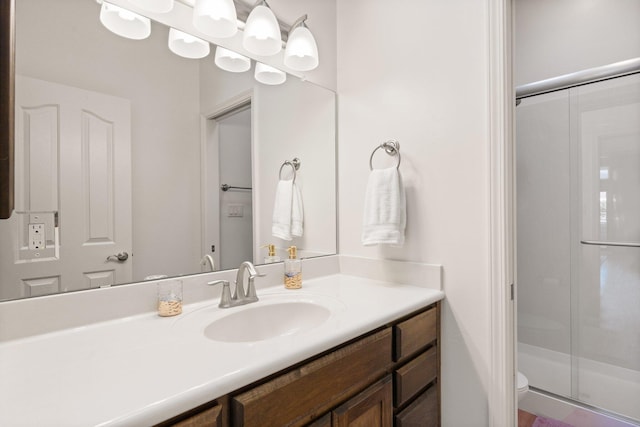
415,375
423,412
210,416
309,391
415,333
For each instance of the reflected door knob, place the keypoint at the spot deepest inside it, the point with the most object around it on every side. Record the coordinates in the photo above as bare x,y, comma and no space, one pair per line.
121,257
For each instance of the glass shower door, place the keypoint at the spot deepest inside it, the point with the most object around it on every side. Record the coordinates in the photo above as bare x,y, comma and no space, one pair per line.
605,128
545,166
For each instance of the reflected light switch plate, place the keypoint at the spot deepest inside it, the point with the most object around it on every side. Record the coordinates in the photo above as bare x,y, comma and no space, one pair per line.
235,211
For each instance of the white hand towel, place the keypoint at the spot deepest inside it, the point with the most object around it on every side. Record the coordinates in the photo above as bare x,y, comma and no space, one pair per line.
385,211
297,212
282,209
288,211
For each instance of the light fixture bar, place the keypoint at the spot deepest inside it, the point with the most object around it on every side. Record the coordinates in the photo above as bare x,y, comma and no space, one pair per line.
298,22
243,10
155,6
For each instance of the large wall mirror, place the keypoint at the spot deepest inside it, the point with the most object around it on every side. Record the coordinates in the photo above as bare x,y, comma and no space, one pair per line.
122,150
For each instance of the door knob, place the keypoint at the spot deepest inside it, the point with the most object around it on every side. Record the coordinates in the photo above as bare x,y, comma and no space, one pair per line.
121,257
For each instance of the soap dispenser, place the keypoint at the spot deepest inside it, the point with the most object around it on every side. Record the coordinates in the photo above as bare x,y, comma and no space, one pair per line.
271,257
292,270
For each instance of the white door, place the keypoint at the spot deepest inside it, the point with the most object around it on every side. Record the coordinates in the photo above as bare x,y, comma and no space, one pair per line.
73,192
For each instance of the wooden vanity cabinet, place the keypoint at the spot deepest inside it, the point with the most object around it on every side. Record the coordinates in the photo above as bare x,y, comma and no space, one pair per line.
211,414
386,378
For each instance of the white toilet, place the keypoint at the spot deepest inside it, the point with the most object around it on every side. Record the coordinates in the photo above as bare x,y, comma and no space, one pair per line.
523,386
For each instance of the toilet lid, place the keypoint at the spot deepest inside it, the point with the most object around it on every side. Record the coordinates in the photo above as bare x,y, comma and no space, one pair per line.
523,382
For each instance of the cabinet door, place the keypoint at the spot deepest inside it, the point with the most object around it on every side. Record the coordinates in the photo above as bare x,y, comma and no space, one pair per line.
371,408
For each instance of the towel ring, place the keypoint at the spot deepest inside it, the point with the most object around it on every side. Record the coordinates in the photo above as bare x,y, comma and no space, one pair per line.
295,165
391,147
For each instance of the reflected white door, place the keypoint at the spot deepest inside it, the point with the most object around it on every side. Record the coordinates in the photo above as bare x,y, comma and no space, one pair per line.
236,204
228,224
73,185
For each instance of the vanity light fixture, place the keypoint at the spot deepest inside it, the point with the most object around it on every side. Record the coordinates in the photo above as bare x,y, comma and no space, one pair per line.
268,75
155,6
216,18
301,53
124,22
186,45
229,60
261,34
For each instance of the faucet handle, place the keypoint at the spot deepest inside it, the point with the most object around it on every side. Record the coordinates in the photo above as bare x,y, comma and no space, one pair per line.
251,287
225,298
217,282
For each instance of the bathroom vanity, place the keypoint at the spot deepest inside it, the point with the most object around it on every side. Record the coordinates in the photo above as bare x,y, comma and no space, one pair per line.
384,378
347,348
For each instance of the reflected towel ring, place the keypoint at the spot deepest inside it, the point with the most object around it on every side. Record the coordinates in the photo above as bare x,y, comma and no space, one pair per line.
295,165
391,147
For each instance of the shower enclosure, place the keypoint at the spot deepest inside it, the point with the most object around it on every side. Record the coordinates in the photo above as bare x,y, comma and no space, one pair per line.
578,242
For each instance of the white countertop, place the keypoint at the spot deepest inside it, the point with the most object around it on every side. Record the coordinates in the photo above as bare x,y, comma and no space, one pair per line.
144,369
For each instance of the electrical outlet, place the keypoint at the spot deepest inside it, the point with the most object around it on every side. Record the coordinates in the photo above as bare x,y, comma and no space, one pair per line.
36,236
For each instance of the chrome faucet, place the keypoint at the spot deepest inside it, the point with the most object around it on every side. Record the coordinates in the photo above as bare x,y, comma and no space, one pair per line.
240,296
208,259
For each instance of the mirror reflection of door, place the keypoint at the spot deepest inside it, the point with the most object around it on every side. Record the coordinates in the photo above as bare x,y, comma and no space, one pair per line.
229,165
73,192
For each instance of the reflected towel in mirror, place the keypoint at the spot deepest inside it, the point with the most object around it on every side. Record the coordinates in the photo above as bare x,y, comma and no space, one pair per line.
287,211
385,217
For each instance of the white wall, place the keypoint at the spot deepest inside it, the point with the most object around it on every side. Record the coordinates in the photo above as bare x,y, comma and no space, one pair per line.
555,37
163,89
417,71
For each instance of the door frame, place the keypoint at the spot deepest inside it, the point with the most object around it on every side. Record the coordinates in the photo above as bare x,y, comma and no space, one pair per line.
502,399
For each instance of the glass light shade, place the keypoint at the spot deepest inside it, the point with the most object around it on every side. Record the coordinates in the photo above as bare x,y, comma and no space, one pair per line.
124,23
155,6
186,45
216,18
229,60
262,32
302,51
268,75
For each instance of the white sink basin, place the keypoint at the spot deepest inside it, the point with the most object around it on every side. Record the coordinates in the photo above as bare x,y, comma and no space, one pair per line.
262,322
